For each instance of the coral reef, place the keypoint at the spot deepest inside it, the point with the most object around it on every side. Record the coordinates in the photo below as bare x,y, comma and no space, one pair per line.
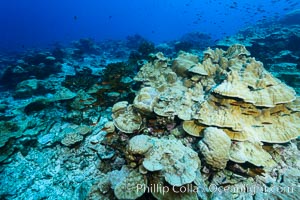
193,40
125,118
275,44
178,164
229,99
210,127
127,188
38,65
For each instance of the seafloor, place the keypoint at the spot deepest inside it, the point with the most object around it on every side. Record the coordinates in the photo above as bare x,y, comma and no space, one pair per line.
133,120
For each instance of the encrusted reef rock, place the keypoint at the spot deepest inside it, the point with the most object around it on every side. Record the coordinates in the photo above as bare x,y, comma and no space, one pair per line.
71,139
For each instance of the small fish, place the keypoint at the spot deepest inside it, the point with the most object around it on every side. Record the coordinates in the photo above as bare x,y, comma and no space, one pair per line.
266,123
75,17
105,83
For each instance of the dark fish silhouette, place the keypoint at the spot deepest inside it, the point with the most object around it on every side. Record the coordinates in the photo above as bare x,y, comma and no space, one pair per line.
75,17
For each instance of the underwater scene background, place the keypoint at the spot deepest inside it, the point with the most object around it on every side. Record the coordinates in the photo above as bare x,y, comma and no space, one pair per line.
35,23
150,99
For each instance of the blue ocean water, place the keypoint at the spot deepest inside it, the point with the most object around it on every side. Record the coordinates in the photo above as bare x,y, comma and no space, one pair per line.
36,23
